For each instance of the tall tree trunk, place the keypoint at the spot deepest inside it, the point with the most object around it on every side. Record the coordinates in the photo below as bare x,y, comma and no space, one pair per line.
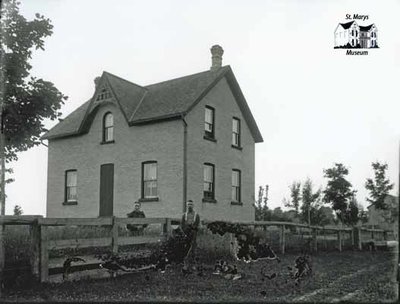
2,195
3,166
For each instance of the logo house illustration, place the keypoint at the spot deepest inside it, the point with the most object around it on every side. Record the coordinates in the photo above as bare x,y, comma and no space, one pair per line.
350,35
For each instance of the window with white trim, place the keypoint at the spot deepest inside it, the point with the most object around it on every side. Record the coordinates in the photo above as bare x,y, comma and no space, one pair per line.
108,127
236,187
209,122
236,132
149,179
209,185
71,184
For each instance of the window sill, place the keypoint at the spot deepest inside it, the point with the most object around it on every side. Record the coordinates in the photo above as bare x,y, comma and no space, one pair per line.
209,200
71,203
150,199
209,138
107,142
237,147
237,203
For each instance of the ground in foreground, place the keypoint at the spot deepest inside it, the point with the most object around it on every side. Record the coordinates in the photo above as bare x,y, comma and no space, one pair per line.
346,276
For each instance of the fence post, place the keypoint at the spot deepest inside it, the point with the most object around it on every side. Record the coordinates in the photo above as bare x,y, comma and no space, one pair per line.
339,234
2,256
352,238
357,237
315,237
44,254
35,248
167,228
114,231
282,239
385,235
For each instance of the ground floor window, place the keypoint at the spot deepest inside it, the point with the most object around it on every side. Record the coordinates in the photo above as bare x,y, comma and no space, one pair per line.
149,179
209,188
236,189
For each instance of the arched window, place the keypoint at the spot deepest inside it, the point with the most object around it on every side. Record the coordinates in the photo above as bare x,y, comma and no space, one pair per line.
108,127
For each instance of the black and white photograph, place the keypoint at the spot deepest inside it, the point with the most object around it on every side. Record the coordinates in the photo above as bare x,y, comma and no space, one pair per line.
199,151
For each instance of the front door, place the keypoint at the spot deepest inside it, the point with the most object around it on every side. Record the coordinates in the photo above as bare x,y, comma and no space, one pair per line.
106,189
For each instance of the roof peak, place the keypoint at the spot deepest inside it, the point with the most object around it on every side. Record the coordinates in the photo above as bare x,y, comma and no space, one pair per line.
223,68
123,79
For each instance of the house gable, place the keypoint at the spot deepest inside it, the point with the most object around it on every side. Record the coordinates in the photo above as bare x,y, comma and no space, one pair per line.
171,99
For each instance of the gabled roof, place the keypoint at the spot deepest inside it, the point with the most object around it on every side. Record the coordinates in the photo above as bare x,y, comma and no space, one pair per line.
148,104
366,28
346,25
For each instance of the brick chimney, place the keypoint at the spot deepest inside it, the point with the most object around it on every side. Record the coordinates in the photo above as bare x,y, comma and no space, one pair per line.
96,81
216,58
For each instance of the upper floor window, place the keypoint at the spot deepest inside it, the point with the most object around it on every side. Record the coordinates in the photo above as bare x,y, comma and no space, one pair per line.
236,132
209,122
149,179
209,184
104,94
236,187
71,183
108,127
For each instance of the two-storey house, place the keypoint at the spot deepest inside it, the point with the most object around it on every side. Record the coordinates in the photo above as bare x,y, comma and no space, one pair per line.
351,35
187,138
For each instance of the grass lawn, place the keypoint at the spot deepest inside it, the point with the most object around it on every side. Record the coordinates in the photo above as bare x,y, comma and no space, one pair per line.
347,276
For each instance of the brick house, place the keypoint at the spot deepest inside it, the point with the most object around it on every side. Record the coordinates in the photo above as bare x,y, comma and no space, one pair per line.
187,138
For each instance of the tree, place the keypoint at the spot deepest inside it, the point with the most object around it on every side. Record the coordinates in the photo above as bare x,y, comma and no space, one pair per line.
261,207
378,187
338,191
18,210
295,197
362,214
352,213
310,202
325,216
8,180
25,101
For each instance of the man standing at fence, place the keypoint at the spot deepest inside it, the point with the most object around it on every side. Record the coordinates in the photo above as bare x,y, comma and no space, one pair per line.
190,225
136,213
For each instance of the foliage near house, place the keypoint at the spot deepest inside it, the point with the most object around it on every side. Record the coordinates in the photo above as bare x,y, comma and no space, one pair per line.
25,101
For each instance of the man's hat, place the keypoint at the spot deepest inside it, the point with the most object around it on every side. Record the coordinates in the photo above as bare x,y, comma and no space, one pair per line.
189,202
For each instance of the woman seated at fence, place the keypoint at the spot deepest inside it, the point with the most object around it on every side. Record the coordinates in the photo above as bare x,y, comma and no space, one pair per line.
136,213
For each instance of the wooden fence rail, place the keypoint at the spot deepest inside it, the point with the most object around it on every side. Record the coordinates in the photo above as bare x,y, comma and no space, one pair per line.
114,241
41,244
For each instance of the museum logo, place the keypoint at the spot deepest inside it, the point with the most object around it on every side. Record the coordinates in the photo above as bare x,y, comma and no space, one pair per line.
353,36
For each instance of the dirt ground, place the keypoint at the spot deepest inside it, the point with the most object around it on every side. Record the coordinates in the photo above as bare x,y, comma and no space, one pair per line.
347,276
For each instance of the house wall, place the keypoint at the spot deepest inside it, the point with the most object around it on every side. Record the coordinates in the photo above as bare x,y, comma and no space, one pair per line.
162,142
222,155
342,36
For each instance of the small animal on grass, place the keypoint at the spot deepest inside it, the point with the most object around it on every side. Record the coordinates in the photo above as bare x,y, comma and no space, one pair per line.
67,265
302,266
